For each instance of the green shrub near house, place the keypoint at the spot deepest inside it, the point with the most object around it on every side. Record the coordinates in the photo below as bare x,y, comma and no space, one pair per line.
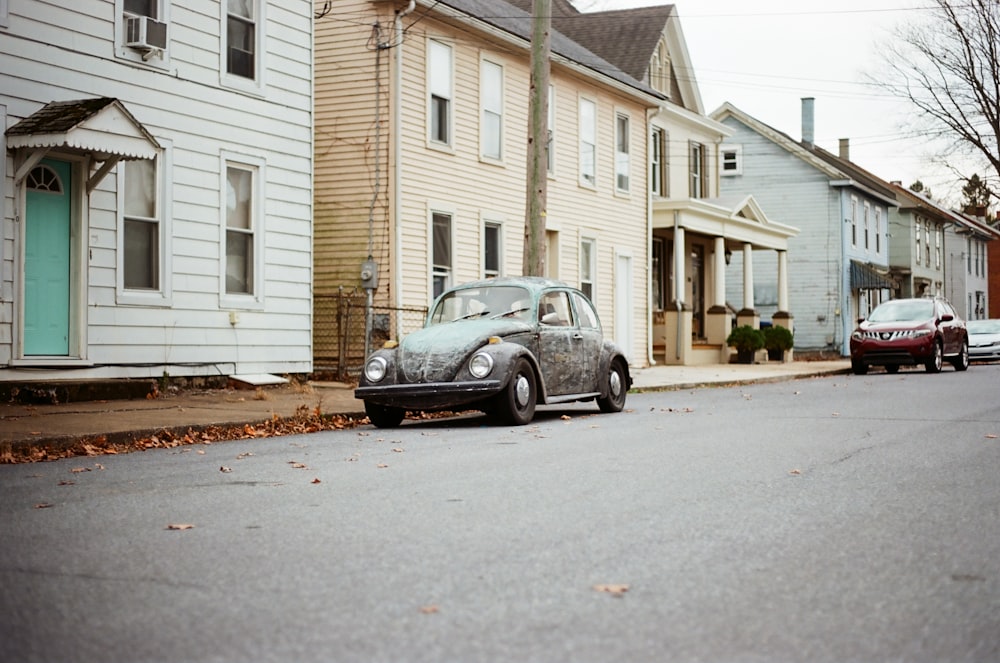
747,340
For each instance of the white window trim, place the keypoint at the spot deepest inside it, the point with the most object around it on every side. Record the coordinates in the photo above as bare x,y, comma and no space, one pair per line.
866,212
878,230
432,209
256,85
433,144
489,158
255,301
4,14
580,132
737,151
156,60
854,220
551,138
4,296
622,115
491,219
588,239
162,296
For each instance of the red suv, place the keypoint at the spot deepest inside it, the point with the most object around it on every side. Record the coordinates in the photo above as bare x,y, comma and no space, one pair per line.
910,332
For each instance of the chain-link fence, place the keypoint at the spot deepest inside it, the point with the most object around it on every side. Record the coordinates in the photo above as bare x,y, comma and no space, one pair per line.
339,330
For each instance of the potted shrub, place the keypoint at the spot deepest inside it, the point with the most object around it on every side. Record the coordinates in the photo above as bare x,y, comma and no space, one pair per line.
747,340
777,340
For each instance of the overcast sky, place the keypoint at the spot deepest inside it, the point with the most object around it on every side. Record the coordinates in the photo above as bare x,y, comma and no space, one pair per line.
763,56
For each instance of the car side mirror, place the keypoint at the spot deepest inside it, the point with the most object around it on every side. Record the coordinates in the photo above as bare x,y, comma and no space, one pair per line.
860,320
947,317
550,319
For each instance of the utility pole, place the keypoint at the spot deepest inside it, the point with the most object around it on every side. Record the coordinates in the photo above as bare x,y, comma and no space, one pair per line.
533,262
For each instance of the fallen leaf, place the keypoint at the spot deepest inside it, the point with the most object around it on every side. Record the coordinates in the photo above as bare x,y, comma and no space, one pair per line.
225,469
297,465
565,417
614,590
201,452
179,526
67,483
991,436
381,466
77,470
795,472
44,505
398,450
836,414
429,609
316,480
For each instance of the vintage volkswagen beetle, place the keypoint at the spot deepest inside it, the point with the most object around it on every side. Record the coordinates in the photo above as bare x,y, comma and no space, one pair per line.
502,346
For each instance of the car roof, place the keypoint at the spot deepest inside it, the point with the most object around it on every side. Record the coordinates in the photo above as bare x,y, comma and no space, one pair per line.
533,283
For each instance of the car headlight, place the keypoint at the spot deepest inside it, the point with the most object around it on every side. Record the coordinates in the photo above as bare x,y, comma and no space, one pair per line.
375,369
857,335
480,365
921,332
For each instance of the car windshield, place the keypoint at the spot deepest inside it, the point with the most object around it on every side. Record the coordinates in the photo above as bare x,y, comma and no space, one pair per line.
903,311
487,302
983,326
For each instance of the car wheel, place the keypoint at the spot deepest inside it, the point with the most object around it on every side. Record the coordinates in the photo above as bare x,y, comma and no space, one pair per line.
859,367
936,361
892,368
516,403
615,400
961,362
384,416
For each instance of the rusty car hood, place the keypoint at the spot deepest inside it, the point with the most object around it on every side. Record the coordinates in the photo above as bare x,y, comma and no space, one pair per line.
436,353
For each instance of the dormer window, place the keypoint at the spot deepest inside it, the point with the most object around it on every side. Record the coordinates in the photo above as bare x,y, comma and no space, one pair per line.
659,69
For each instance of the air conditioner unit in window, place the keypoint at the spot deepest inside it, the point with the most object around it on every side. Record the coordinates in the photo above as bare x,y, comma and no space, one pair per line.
145,34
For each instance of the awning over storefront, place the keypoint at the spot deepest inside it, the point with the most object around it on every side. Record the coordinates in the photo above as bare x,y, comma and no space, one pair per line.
866,277
101,128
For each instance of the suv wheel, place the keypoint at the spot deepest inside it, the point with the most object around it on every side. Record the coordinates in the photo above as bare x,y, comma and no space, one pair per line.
859,367
934,364
961,362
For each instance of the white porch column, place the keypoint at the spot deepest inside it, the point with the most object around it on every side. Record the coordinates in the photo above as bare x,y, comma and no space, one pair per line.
680,263
747,277
720,272
783,281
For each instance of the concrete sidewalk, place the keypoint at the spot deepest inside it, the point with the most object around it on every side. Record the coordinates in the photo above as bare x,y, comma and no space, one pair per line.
98,422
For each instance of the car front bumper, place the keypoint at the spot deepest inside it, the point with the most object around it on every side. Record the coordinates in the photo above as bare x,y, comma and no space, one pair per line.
898,352
429,395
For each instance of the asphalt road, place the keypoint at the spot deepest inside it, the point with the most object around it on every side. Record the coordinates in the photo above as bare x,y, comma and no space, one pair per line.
832,519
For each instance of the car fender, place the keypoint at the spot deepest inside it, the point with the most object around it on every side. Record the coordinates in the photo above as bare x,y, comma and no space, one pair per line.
609,353
504,356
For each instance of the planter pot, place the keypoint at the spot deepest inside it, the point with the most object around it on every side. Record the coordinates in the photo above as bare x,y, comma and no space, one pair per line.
775,354
744,356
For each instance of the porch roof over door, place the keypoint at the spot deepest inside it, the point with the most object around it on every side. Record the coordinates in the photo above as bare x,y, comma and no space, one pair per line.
739,219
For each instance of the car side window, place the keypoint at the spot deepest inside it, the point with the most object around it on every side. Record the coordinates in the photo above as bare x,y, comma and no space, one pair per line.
554,309
585,312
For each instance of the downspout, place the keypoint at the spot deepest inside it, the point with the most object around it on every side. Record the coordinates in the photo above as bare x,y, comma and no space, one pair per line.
650,360
397,165
679,254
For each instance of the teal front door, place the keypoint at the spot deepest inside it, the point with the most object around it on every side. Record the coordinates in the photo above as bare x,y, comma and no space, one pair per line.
47,259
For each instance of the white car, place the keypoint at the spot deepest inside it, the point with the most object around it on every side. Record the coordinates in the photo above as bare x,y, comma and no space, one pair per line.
984,339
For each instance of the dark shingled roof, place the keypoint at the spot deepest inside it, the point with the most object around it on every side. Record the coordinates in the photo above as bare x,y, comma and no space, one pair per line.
59,116
516,21
854,171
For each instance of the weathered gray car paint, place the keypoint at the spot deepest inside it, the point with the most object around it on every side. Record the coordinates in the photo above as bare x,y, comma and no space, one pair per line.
429,368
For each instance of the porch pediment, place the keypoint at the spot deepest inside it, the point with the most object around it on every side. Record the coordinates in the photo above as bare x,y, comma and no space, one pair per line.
737,218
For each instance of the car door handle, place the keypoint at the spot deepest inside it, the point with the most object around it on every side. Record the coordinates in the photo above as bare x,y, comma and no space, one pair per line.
578,336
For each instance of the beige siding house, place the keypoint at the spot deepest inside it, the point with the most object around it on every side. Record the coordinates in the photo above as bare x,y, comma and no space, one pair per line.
420,156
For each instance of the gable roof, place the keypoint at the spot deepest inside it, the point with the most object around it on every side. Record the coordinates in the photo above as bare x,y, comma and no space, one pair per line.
518,23
843,172
911,200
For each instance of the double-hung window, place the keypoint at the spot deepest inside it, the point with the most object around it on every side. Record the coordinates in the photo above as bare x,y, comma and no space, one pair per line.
241,51
588,142
878,230
732,160
244,232
937,246
919,251
439,76
491,98
622,142
699,181
141,241
441,266
867,223
854,221
491,249
659,163
588,266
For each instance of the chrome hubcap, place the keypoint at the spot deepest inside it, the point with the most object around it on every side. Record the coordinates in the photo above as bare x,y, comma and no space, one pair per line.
615,384
522,390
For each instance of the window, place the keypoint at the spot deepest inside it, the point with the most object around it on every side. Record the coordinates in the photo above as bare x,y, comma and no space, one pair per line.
659,163
552,254
586,315
439,75
588,142
491,249
241,38
968,255
937,247
550,142
658,274
927,242
622,139
697,166
554,309
659,69
243,231
732,160
587,267
854,221
441,247
141,252
878,230
141,23
491,98
3,13
867,213
919,252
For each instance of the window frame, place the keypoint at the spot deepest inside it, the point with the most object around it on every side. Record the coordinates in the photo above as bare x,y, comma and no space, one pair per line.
4,14
697,170
162,294
623,150
737,160
495,224
433,269
161,60
587,145
659,151
485,112
854,221
234,81
253,300
866,210
550,152
432,93
588,268
878,229
918,258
